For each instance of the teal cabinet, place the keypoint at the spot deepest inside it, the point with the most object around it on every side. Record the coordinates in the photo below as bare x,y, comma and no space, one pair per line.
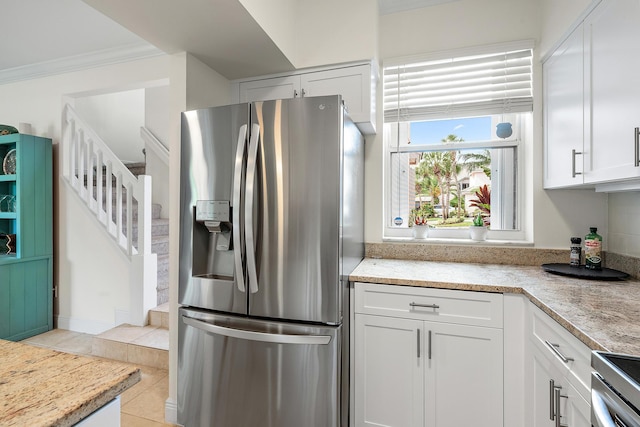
26,213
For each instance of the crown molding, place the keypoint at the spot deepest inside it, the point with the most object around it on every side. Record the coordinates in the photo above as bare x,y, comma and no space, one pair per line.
79,62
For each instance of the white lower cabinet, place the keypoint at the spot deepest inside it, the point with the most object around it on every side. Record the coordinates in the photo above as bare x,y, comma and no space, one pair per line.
464,384
389,374
558,388
555,402
427,373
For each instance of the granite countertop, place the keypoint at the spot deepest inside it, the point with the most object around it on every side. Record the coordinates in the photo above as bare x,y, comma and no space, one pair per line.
605,315
41,387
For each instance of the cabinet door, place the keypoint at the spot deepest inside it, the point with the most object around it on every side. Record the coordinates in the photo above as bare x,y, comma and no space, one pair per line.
612,63
578,410
268,89
389,377
464,376
26,300
563,113
541,395
353,83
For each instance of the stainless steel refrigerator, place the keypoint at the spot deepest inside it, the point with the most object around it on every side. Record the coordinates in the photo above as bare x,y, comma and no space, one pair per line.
271,225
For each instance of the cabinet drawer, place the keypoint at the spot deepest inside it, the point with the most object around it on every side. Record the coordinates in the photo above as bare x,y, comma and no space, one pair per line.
436,305
565,349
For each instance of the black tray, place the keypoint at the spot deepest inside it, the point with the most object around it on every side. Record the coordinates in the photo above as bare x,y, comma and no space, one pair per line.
584,273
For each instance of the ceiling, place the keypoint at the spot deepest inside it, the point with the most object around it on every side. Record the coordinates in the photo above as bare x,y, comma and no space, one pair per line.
43,37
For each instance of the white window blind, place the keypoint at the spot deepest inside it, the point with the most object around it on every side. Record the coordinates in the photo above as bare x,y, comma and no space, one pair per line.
463,86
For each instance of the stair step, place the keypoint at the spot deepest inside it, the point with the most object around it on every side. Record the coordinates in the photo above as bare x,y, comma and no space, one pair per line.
159,227
159,316
136,168
141,345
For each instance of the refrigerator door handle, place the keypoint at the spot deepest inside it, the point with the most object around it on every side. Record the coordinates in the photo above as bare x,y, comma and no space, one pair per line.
257,336
238,230
252,166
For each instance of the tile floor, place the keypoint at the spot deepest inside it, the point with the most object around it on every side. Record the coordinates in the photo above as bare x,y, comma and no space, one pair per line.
142,404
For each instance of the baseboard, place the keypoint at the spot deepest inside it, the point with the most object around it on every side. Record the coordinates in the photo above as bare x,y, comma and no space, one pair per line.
170,411
75,324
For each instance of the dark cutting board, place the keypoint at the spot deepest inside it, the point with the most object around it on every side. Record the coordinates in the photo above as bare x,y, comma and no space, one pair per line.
584,273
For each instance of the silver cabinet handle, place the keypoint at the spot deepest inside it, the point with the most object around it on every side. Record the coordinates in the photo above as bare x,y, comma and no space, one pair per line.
636,147
252,166
303,93
256,336
414,304
554,348
556,398
573,163
238,229
429,351
295,93
418,334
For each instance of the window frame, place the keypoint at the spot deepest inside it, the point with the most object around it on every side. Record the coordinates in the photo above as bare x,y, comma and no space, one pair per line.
523,138
404,232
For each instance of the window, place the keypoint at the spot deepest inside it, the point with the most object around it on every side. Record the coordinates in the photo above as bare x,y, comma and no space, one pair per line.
454,129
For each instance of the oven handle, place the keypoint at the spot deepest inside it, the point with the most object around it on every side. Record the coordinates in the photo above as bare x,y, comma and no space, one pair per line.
601,413
257,336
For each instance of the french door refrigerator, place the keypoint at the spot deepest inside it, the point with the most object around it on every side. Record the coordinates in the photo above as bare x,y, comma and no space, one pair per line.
271,225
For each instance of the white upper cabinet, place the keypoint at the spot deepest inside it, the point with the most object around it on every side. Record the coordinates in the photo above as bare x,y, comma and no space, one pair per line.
355,82
275,88
612,64
591,106
563,114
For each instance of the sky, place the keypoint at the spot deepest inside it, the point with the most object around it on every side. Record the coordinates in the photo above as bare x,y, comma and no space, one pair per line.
470,129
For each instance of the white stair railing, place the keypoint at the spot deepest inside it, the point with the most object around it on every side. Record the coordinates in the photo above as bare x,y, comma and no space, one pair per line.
152,143
112,193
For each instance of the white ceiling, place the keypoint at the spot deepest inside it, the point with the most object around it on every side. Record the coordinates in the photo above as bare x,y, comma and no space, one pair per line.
44,37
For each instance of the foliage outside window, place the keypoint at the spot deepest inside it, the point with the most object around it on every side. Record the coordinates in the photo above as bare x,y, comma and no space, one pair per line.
449,153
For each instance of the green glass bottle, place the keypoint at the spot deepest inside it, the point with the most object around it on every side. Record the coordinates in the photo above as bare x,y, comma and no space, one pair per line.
593,250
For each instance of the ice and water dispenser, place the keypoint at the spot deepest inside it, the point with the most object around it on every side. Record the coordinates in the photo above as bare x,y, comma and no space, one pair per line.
212,240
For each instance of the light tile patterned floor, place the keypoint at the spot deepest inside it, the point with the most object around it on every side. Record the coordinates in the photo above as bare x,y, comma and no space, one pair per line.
142,404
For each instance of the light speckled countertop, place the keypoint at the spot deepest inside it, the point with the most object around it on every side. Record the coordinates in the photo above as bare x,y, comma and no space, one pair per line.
41,387
603,315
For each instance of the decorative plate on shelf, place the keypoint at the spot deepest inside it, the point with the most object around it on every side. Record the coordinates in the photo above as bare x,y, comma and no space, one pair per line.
9,162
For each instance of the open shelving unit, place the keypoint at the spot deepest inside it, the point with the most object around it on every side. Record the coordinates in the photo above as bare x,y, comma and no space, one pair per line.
26,274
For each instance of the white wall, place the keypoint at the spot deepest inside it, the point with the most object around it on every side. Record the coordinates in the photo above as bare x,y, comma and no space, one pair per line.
117,118
624,234
157,121
90,290
278,19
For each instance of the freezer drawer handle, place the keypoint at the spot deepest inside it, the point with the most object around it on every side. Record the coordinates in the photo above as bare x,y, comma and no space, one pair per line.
257,336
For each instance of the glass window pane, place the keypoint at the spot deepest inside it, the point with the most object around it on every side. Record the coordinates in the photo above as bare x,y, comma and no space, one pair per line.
449,187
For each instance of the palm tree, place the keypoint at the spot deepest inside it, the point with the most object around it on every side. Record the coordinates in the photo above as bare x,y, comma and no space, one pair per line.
453,170
473,161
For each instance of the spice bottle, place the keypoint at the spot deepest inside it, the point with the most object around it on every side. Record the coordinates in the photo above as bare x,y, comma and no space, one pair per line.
593,250
575,257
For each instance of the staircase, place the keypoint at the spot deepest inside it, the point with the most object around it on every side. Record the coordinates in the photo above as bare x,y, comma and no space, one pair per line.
159,240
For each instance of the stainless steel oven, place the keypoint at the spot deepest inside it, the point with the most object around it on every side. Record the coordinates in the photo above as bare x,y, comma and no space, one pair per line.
615,390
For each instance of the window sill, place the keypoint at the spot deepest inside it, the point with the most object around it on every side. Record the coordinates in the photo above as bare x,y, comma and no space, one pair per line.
465,242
